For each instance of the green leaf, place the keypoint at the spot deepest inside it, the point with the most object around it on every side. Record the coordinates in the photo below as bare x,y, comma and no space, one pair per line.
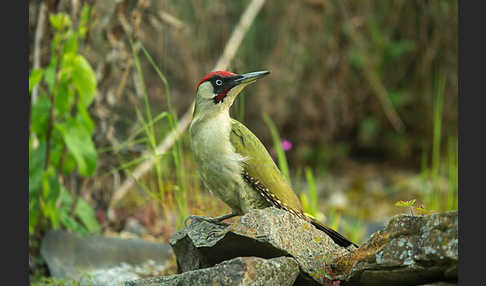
79,143
83,211
84,78
83,118
55,44
51,186
54,214
50,74
82,29
60,21
46,187
36,165
50,194
71,224
87,216
64,97
40,116
57,145
405,203
34,78
71,45
33,215
65,218
69,163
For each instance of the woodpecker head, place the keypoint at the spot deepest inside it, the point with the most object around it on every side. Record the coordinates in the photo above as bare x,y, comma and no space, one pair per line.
217,90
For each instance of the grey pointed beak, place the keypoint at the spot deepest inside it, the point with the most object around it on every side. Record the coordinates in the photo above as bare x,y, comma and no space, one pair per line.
250,77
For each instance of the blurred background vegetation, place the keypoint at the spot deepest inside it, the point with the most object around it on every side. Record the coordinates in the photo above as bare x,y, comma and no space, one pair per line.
360,109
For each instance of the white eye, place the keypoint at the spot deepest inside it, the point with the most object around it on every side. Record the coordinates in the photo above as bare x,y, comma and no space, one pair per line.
219,82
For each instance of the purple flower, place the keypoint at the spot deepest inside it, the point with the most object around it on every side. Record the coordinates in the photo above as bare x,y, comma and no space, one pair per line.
286,145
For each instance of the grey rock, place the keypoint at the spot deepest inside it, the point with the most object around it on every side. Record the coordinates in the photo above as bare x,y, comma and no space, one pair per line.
117,275
266,233
272,247
237,271
411,250
95,259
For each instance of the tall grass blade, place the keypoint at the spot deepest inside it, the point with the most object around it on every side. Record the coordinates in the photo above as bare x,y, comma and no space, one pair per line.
277,144
177,148
312,192
436,146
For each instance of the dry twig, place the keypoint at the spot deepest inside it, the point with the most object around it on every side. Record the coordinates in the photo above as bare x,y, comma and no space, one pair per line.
172,21
371,76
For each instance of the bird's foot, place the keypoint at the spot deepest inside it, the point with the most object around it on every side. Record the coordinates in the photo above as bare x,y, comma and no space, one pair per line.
216,220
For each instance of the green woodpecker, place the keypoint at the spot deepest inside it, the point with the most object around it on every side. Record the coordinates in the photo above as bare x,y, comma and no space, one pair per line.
233,164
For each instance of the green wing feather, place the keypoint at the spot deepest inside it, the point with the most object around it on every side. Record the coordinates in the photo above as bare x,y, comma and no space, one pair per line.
260,165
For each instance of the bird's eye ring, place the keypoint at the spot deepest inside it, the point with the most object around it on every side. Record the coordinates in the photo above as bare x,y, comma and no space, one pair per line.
219,82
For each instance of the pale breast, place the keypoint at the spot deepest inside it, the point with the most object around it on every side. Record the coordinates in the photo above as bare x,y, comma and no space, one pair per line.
218,164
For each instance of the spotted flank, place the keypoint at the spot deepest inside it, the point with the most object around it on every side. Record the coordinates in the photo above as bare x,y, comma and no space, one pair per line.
273,200
270,197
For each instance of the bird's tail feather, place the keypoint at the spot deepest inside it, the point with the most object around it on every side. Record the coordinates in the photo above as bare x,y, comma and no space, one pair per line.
336,236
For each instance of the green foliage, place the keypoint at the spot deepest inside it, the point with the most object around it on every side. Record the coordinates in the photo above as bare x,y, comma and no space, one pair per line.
177,149
83,212
78,140
433,193
53,281
84,279
60,132
310,199
35,78
405,203
148,125
411,206
148,134
60,21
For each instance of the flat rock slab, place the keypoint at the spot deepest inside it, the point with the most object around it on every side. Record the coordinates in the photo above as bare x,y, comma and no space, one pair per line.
98,260
266,233
237,271
411,250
